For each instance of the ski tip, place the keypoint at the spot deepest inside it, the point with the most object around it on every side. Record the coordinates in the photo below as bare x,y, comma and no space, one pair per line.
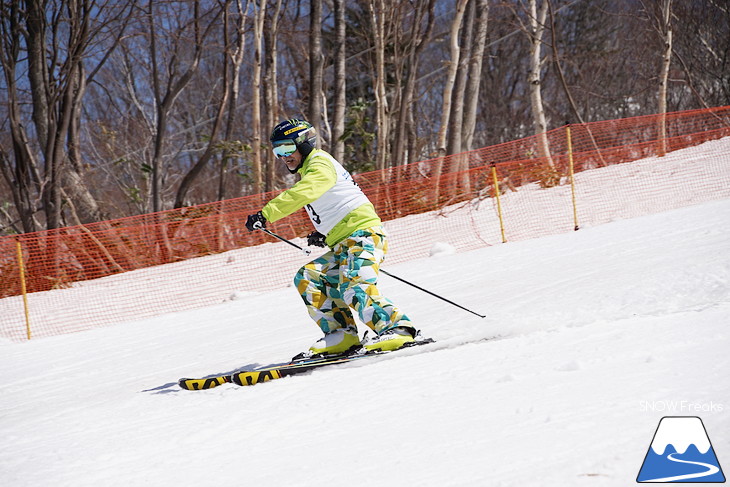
252,377
201,384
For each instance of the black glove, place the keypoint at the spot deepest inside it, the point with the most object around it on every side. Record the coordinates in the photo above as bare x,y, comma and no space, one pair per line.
255,221
316,239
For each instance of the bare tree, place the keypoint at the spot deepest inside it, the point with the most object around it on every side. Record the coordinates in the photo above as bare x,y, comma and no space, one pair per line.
378,12
535,30
24,178
256,138
270,84
218,120
118,107
236,56
340,94
462,119
665,30
451,76
563,82
475,73
701,49
558,65
456,117
168,85
447,99
57,39
416,40
316,64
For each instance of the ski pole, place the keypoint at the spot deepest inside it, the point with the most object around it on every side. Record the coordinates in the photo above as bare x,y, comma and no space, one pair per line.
431,293
307,252
260,227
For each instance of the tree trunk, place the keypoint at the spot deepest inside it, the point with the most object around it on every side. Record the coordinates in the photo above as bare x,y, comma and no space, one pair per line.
23,179
189,178
471,101
233,87
456,118
564,83
402,152
378,11
45,95
258,26
316,64
666,32
340,99
173,86
537,28
272,91
86,207
451,77
447,98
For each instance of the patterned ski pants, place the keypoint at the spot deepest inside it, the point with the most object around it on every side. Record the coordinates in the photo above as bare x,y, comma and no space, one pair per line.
346,277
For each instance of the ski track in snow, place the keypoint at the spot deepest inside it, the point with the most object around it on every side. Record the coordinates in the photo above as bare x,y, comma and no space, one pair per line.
582,330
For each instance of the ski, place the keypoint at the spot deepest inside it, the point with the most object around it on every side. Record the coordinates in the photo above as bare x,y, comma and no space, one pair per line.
255,375
204,383
258,375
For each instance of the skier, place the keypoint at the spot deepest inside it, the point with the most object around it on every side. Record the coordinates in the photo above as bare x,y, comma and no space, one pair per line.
345,221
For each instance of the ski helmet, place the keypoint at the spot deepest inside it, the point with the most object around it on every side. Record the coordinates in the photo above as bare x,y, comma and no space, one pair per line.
297,130
293,134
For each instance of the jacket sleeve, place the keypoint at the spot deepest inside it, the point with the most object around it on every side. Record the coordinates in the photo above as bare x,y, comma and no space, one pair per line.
317,178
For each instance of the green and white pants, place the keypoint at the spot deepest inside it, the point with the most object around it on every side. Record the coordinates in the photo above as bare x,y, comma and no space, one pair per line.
346,278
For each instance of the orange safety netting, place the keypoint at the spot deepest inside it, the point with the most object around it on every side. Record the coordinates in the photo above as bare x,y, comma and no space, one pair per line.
107,272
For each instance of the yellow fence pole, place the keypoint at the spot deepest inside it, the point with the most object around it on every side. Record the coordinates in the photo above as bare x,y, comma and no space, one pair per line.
499,204
572,179
23,288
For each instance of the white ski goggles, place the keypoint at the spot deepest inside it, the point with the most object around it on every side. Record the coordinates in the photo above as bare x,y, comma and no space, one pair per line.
284,148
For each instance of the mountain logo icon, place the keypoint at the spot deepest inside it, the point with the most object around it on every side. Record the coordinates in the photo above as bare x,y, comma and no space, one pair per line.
681,452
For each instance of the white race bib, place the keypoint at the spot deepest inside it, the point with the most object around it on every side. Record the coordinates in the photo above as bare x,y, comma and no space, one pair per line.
334,205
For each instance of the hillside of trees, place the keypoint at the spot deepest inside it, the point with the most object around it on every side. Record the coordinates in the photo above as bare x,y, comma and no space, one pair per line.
112,108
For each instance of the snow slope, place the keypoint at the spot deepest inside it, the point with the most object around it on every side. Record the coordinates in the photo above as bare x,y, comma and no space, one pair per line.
590,338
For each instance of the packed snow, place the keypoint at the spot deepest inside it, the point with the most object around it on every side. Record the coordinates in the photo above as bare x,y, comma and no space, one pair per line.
590,338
